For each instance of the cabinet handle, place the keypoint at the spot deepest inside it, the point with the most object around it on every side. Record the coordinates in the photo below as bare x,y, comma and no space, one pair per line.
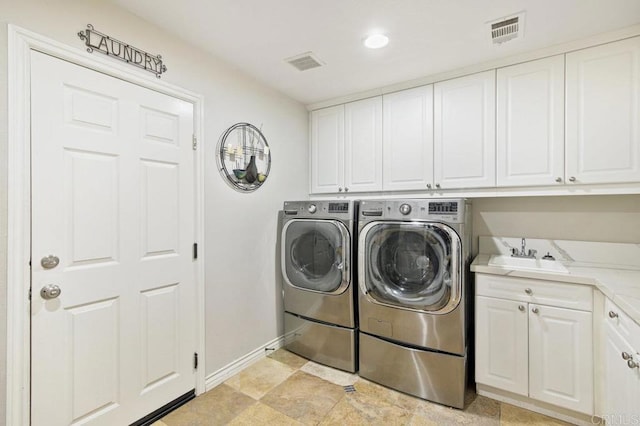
521,308
558,179
437,185
346,189
429,185
632,364
528,291
572,179
535,310
613,314
339,189
626,356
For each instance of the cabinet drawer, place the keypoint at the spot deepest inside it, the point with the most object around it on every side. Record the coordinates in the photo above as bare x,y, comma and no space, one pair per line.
622,323
553,293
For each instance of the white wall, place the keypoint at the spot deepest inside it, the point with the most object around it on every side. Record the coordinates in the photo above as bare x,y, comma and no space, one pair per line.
241,285
609,218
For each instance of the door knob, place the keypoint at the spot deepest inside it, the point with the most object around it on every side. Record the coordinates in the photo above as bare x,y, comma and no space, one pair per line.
49,262
50,291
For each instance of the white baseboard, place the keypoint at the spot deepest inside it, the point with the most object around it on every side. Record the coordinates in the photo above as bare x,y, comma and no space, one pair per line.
537,406
241,363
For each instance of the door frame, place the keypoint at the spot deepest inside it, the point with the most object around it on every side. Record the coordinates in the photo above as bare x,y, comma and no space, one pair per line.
20,44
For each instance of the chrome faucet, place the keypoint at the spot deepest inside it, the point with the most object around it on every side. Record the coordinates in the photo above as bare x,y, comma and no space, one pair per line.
523,251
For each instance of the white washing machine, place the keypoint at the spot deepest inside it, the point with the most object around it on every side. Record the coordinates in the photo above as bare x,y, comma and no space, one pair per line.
318,286
413,296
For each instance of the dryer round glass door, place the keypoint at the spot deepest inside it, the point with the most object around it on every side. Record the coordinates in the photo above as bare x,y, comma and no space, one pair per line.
411,265
315,255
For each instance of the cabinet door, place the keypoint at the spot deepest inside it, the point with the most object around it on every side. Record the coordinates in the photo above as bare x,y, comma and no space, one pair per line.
603,113
363,145
622,384
530,123
464,140
501,344
327,149
408,139
561,357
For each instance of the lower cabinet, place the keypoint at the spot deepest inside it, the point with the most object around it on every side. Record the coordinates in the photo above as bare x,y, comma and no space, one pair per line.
532,341
621,367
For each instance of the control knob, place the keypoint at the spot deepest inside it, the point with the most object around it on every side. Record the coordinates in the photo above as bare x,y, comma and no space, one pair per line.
312,208
405,209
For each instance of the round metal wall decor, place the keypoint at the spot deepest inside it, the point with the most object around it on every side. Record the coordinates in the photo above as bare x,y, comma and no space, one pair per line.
244,157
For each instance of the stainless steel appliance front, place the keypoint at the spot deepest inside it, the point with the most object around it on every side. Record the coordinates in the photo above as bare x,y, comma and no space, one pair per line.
316,266
413,311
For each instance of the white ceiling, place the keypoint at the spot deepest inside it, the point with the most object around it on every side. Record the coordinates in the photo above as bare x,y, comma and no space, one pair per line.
427,36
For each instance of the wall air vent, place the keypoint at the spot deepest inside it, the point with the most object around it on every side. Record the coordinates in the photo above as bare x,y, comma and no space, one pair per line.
507,28
305,61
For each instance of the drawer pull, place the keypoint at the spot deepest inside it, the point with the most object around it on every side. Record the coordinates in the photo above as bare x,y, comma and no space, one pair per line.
528,291
521,308
632,364
626,356
535,310
613,314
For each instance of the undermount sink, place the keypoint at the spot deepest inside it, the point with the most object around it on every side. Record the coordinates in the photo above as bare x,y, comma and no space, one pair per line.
527,264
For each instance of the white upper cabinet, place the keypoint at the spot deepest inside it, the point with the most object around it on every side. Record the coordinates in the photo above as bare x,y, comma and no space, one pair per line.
464,140
408,139
363,145
603,113
327,149
346,147
530,123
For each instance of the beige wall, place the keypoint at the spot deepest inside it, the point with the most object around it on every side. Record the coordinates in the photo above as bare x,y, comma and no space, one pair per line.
612,218
241,289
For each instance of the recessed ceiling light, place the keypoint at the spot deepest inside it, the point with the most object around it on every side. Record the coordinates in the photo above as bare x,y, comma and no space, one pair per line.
376,41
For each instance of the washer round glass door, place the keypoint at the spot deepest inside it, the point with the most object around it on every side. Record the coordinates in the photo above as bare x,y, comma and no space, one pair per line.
315,255
411,265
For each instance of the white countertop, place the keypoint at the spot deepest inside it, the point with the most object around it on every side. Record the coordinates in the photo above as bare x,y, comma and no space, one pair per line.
620,285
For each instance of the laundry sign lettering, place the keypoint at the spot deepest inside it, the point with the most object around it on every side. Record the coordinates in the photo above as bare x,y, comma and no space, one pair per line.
97,41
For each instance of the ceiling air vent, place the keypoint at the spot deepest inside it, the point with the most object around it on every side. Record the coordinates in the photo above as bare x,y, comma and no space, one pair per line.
508,28
305,61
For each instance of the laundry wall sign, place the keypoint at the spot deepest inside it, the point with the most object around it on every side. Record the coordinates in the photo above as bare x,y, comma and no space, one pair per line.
97,41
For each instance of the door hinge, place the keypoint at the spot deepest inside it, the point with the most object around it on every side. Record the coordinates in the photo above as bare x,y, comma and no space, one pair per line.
195,251
29,294
195,142
195,360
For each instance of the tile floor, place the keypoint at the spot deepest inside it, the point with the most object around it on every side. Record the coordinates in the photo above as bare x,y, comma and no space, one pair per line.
285,389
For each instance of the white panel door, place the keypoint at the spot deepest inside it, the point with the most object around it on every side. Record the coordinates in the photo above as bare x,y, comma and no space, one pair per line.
363,145
327,150
465,131
622,384
561,357
530,123
408,139
113,198
501,344
603,113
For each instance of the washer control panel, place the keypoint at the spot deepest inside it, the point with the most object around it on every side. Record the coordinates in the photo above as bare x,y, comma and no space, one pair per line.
446,210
